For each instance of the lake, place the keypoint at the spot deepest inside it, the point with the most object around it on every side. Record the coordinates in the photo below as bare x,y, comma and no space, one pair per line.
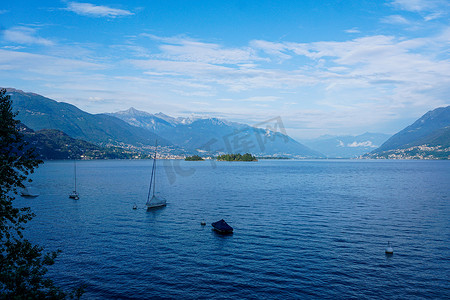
302,229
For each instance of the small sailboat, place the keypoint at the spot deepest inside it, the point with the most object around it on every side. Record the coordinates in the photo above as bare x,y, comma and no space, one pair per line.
389,250
154,201
74,195
29,192
222,227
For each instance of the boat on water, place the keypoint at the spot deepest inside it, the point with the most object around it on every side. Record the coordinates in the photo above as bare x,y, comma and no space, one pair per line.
29,192
153,201
389,250
74,195
222,227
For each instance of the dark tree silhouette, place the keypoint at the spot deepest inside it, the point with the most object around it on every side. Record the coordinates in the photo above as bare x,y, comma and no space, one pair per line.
22,265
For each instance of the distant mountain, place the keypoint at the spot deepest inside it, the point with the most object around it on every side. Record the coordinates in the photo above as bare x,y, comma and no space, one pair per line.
417,133
214,136
143,119
428,137
346,146
51,144
38,112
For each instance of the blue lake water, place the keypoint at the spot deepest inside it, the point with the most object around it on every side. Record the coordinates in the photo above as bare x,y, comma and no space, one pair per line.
303,229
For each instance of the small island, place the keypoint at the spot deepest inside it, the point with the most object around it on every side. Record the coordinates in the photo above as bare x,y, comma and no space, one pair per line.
273,157
194,158
236,157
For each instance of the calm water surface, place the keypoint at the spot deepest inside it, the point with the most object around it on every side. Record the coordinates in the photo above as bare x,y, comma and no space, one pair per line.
303,229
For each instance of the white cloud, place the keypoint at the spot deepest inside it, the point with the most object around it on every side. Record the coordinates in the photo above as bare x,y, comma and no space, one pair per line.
362,144
25,35
262,99
435,15
271,48
432,9
43,64
395,19
363,77
413,5
188,50
91,10
353,30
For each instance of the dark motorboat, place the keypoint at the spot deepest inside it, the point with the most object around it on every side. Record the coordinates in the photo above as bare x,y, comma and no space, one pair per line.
222,227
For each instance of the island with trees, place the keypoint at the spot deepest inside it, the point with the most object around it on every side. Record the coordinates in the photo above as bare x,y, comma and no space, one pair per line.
194,158
236,157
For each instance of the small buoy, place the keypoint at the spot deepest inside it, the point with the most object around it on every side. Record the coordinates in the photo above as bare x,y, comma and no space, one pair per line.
389,249
203,223
135,206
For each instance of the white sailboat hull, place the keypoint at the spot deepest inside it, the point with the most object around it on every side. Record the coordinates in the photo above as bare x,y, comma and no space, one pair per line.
149,207
156,202
74,195
29,192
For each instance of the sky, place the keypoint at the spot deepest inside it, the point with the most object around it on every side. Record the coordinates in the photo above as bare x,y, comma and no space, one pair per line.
325,67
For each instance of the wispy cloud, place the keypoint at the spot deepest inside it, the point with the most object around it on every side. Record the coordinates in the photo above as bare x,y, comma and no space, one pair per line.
396,20
395,71
414,5
185,49
262,99
91,10
362,144
43,65
430,9
25,35
353,30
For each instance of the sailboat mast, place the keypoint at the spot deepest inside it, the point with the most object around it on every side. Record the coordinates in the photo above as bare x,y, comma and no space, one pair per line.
75,173
152,179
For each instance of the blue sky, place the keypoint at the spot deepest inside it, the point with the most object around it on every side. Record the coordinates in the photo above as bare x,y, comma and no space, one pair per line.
324,67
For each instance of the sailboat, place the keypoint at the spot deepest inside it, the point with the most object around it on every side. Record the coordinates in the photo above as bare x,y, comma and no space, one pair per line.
152,200
74,195
29,191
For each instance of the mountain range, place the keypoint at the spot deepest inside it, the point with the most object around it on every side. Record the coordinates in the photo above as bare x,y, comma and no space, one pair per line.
52,144
426,138
138,131
215,136
347,146
38,112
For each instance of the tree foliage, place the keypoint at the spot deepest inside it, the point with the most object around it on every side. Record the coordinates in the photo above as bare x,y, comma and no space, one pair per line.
193,158
22,264
237,157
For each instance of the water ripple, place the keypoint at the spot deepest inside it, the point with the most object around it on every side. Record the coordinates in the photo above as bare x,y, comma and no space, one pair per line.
303,229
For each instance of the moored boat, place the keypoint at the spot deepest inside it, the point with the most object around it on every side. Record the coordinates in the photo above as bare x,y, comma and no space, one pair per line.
154,202
222,227
29,192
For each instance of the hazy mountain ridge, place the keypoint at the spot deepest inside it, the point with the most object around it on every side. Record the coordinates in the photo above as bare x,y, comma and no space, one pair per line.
38,112
137,131
214,136
50,144
347,146
418,132
134,130
426,138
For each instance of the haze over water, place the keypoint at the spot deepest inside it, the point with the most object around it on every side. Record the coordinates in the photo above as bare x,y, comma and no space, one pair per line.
302,229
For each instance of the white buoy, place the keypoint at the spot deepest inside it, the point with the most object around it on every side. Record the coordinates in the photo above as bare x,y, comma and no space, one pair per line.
389,249
203,223
135,206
